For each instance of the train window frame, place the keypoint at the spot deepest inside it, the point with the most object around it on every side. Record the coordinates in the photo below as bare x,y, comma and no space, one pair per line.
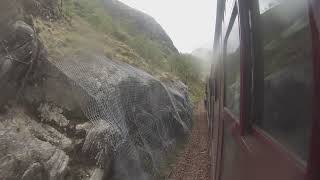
250,112
233,18
281,143
311,164
227,20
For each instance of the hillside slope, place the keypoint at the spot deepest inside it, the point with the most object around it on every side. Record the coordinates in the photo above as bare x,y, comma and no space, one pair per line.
139,24
69,112
120,33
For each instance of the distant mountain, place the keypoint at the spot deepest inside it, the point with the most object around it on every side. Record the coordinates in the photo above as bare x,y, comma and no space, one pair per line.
139,23
203,54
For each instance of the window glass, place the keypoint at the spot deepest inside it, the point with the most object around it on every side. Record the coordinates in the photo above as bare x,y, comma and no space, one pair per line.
232,70
229,4
287,73
265,5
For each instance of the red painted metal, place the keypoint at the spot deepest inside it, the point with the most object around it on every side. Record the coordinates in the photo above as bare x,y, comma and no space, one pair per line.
220,150
313,169
245,66
219,107
268,161
278,149
262,157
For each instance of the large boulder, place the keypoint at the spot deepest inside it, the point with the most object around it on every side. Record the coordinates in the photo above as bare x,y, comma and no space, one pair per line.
111,118
83,116
31,150
140,24
137,120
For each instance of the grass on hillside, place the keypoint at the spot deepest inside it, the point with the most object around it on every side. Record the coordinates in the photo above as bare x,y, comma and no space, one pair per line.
88,26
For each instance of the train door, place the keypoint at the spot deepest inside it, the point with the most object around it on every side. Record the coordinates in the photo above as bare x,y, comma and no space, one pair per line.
232,155
270,56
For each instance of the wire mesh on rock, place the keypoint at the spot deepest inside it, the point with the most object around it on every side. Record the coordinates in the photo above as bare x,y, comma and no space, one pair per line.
137,119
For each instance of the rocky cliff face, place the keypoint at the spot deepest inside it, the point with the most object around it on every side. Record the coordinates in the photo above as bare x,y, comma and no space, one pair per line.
140,23
80,117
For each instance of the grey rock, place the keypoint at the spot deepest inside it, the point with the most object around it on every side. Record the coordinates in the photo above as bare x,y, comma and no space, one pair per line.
140,23
19,51
83,129
23,155
34,172
135,120
52,114
97,174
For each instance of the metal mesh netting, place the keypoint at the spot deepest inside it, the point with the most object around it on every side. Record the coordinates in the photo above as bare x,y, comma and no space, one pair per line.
137,119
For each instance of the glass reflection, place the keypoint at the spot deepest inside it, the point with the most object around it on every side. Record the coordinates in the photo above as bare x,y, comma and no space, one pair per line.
232,70
287,72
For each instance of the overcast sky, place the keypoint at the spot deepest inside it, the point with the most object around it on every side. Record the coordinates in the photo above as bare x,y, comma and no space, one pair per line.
189,23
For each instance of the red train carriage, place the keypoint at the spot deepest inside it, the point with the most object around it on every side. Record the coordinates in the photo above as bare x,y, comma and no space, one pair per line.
264,90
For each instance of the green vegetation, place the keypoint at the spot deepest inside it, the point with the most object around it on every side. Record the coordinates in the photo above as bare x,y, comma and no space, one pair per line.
86,25
91,12
149,50
189,70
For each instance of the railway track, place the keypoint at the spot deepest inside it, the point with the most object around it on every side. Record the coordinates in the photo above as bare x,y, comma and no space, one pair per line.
193,162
